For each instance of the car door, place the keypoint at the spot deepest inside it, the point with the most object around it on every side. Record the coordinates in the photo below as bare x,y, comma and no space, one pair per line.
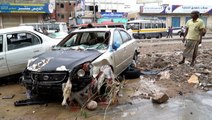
21,46
129,47
119,54
3,63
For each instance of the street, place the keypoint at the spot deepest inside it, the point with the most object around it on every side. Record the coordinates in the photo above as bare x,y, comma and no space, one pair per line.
186,101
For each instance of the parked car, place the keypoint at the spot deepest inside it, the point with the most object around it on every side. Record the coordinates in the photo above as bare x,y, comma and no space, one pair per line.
50,27
79,58
176,31
58,35
17,45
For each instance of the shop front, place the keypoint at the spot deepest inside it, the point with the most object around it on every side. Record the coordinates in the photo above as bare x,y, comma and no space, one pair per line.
176,15
16,14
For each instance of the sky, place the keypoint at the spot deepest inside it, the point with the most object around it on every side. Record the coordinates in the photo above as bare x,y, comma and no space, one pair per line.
188,2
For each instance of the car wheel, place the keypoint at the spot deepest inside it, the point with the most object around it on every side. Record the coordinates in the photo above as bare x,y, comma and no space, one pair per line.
131,73
160,36
178,33
142,37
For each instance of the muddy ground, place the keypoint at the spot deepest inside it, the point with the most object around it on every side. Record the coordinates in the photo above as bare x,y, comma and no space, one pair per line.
154,59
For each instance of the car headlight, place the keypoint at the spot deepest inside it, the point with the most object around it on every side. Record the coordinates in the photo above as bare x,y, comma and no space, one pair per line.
81,73
86,69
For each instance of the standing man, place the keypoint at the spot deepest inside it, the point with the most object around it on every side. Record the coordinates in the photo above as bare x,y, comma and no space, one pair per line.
193,35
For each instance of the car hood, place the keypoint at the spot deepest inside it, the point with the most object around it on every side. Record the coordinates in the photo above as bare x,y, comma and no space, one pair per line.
61,60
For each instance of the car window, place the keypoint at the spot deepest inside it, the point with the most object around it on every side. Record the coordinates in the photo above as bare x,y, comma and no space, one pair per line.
20,40
1,43
125,36
86,40
117,37
71,41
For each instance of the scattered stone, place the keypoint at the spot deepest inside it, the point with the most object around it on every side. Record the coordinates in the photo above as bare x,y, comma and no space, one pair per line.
186,75
206,71
160,98
206,89
92,105
198,74
124,114
193,79
180,93
8,97
164,75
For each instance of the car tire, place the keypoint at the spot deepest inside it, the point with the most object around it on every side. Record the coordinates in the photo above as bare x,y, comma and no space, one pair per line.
142,37
179,33
131,73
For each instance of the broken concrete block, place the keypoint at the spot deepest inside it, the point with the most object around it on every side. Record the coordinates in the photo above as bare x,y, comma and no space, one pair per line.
193,79
160,98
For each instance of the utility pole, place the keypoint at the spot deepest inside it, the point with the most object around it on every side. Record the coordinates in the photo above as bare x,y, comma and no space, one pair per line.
94,11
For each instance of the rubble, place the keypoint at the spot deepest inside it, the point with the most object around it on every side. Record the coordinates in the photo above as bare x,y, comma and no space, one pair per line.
160,98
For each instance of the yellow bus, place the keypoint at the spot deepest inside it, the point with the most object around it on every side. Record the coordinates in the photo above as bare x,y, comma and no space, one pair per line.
151,28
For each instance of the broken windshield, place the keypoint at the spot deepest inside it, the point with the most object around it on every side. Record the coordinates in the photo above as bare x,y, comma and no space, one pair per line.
86,40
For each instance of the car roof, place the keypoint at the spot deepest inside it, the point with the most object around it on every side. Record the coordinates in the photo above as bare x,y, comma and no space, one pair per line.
18,28
95,29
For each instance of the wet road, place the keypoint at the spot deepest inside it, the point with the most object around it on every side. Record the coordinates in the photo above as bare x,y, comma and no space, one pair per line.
192,107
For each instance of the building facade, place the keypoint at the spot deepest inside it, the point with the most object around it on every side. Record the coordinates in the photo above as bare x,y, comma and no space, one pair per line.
102,10
177,15
15,12
64,10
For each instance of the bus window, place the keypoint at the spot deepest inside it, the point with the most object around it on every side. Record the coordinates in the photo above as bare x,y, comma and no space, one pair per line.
141,25
160,25
163,25
147,25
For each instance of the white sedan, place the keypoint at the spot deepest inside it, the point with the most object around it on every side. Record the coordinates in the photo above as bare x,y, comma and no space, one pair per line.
17,45
80,57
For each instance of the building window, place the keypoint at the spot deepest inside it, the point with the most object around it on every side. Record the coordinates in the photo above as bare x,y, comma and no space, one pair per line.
69,3
61,5
58,14
62,16
103,10
114,10
70,15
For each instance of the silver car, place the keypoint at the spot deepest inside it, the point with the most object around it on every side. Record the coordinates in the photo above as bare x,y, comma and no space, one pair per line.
17,45
79,58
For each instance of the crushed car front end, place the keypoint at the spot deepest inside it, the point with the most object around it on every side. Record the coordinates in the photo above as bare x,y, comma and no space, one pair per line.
45,75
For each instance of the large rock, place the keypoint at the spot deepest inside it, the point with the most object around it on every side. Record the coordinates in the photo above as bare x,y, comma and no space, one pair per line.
193,79
160,98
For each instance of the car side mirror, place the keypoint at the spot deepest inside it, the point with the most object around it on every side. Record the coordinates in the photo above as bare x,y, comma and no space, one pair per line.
116,45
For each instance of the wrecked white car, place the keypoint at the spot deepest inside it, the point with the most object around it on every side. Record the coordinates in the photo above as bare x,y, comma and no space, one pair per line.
79,58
